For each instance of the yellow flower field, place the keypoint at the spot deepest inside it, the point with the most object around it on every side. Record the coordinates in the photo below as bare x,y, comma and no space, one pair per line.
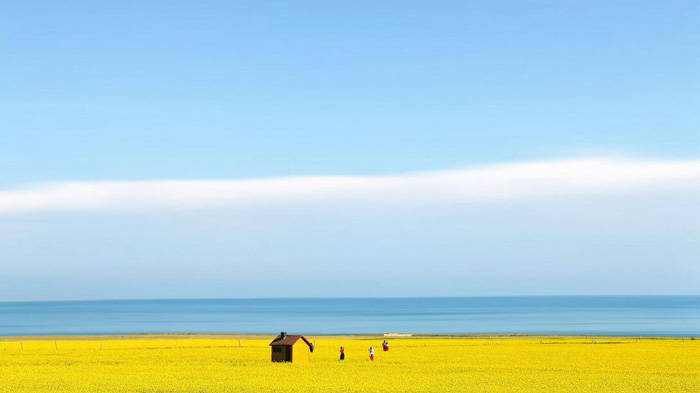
499,364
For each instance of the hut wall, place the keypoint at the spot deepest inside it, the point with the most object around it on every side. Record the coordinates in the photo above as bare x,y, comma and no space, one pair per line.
301,352
279,353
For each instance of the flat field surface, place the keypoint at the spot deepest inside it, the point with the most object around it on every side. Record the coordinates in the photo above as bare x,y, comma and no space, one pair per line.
219,364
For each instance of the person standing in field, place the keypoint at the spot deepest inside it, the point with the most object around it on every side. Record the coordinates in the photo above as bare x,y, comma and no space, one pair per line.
342,353
385,346
371,353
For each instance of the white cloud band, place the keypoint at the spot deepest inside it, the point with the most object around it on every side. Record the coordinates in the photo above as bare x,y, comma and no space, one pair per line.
478,184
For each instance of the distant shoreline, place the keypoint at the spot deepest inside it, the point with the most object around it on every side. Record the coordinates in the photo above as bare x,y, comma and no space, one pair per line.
204,336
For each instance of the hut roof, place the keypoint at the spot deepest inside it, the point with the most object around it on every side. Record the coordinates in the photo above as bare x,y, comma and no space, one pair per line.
289,339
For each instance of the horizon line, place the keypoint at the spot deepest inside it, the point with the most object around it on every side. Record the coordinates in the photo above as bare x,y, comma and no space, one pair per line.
336,298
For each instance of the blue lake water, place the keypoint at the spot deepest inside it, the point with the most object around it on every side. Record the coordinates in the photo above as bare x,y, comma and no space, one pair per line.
589,315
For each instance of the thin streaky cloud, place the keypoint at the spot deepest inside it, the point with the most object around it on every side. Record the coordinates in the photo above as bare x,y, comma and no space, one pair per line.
477,184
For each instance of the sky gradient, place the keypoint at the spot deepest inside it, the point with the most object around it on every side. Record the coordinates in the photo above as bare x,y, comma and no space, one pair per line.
412,148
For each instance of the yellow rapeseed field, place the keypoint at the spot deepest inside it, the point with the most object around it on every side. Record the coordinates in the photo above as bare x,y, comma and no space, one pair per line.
499,364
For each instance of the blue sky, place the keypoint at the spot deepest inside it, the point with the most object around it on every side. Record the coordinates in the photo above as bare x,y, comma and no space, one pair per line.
356,98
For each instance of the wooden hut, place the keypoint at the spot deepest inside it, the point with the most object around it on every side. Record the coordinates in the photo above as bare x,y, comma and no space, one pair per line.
291,348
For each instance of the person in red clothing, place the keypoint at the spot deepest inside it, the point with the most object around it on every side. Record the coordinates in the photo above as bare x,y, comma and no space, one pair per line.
342,353
371,353
385,346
